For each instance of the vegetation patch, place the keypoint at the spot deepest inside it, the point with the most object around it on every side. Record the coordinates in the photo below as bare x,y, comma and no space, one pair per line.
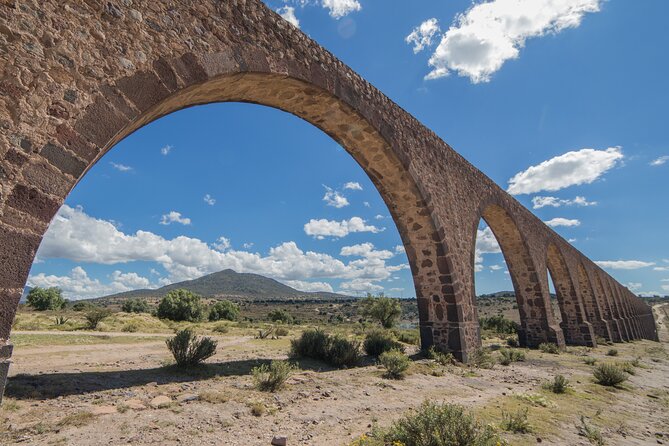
272,377
609,374
395,362
189,350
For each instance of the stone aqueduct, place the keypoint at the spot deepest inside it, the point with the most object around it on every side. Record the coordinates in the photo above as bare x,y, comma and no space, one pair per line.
76,77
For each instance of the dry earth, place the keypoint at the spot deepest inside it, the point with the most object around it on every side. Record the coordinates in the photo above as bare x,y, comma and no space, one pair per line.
98,391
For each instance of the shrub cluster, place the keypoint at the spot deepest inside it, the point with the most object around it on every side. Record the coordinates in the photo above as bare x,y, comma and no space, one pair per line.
380,341
498,324
395,362
96,315
509,355
335,350
482,359
280,315
224,310
181,305
42,299
441,357
272,377
549,347
612,352
516,422
558,385
382,309
608,374
135,306
188,349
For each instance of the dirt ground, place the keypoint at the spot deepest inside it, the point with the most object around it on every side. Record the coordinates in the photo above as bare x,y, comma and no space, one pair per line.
97,389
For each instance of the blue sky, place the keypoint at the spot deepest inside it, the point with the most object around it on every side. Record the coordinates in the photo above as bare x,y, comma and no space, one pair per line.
563,103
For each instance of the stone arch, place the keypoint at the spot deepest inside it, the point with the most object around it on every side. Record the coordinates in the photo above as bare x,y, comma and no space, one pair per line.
575,326
592,307
612,298
532,298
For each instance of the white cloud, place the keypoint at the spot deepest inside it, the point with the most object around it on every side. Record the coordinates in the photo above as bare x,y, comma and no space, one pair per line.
76,236
209,200
78,285
165,150
661,268
634,286
539,202
400,249
309,287
248,245
352,185
661,160
330,228
341,8
570,169
623,264
379,217
664,280
490,33
334,198
496,267
174,217
360,285
422,35
559,221
222,244
486,243
572,240
121,167
665,287
288,14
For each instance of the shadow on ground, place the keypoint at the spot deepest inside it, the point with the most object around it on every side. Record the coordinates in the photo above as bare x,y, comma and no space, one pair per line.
52,385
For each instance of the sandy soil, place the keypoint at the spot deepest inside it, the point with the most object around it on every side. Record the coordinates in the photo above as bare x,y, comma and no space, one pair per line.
100,395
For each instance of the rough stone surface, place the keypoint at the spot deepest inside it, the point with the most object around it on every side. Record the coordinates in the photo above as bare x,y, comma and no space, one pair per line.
77,78
160,401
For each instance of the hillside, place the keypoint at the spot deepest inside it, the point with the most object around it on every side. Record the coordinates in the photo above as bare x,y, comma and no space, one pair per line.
230,284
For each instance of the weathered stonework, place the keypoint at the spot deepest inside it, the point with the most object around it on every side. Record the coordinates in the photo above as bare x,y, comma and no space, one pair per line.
77,77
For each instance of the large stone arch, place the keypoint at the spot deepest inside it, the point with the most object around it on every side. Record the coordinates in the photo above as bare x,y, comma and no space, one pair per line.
575,326
77,78
591,303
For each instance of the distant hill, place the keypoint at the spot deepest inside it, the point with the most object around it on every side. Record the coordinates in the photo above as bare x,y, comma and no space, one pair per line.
227,284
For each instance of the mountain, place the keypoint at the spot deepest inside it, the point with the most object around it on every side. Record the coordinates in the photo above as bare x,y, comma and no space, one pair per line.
229,284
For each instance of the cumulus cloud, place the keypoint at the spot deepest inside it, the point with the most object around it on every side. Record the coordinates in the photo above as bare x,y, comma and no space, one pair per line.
165,150
665,287
659,161
288,14
78,285
209,200
174,217
490,33
334,198
559,221
422,36
309,287
496,267
634,286
353,185
341,8
486,243
661,268
539,202
120,167
570,169
331,228
76,236
623,264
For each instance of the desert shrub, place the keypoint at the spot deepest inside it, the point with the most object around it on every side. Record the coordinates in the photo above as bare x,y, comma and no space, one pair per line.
135,306
380,341
482,359
512,341
395,362
60,320
498,324
560,384
627,367
188,349
439,425
549,347
589,360
221,328
440,357
95,316
612,352
591,433
384,310
224,310
130,327
272,377
509,355
608,374
280,315
81,306
265,333
282,331
181,305
343,352
408,336
42,299
516,422
313,343
258,408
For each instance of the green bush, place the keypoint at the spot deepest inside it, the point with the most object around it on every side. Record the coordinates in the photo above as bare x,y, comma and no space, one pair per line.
408,336
591,433
280,315
558,385
440,425
482,359
440,357
272,377
384,310
224,310
380,341
130,327
181,305
220,328
335,350
42,299
188,349
343,352
81,306
135,306
395,362
612,352
281,331
516,422
589,360
498,324
549,347
509,355
512,341
95,316
608,374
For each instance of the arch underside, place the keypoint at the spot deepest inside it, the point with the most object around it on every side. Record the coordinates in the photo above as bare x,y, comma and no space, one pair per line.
62,109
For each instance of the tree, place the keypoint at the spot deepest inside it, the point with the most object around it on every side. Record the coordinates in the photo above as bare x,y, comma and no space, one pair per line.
279,315
224,310
42,299
383,309
95,316
135,306
181,305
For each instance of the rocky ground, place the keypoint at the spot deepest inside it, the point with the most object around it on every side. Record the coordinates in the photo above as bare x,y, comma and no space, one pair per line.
123,390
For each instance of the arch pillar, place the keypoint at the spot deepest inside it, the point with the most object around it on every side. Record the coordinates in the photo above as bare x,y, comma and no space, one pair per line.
594,311
617,312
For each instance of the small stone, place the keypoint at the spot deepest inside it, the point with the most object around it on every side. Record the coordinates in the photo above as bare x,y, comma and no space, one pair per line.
136,15
280,440
103,410
160,401
187,397
135,404
126,63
